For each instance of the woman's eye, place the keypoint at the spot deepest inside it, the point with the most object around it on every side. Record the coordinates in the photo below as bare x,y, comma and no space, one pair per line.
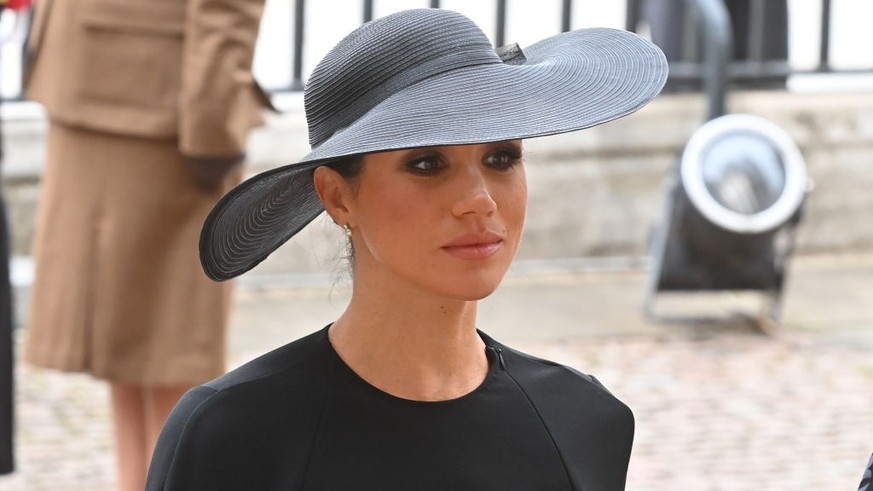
425,165
504,159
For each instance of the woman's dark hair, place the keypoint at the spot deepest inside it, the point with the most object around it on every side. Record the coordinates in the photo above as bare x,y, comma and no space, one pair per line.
348,167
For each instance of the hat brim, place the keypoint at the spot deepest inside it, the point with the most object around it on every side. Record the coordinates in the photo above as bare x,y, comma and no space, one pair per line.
571,81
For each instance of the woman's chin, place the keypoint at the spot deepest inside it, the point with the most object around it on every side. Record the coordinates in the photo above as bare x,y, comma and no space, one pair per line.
473,289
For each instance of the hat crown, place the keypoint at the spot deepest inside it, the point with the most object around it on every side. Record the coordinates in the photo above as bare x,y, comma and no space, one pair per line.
384,56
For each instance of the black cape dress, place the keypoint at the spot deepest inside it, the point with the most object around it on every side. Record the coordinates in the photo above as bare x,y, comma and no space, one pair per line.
298,418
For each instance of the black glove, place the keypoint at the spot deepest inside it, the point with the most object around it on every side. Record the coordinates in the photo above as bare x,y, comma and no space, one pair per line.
209,172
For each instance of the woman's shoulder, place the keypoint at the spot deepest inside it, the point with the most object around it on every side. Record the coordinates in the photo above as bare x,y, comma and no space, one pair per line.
267,407
550,383
564,372
294,362
580,415
287,376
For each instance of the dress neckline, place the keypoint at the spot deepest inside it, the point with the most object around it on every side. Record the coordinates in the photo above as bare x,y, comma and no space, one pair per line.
495,365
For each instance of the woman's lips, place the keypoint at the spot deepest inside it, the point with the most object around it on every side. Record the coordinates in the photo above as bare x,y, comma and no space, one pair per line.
475,246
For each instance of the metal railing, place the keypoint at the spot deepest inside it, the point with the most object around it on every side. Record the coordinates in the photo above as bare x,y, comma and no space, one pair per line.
297,82
687,70
753,67
750,63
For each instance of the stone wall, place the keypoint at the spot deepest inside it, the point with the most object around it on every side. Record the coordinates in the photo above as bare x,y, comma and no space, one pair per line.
592,193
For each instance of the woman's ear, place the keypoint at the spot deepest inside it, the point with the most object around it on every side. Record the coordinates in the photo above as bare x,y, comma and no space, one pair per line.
335,194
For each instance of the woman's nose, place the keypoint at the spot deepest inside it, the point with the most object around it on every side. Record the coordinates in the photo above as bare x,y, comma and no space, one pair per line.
474,195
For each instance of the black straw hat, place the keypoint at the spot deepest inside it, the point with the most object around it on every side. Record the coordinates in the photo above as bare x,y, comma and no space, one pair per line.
429,77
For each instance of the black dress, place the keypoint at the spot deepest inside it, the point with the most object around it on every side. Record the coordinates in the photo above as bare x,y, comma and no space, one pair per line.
298,418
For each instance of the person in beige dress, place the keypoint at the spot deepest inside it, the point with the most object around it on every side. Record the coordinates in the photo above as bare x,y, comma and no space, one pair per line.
149,105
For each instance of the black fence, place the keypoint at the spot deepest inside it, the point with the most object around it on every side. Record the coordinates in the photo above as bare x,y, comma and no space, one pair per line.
759,38
759,41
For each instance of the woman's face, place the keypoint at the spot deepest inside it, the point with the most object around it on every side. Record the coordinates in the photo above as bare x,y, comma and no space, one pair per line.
444,219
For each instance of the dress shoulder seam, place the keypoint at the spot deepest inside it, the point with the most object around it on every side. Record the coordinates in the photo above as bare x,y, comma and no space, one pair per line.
545,426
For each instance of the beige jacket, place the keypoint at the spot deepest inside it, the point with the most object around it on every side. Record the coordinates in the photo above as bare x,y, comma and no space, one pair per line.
150,68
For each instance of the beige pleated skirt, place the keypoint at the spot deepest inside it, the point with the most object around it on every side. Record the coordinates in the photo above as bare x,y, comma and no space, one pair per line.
119,292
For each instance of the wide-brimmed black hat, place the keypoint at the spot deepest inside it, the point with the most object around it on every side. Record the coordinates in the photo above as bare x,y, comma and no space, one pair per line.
429,77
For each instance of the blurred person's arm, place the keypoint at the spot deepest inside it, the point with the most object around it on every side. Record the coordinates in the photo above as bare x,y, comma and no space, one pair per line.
219,101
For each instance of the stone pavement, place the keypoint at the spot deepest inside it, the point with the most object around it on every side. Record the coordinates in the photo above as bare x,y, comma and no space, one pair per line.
719,405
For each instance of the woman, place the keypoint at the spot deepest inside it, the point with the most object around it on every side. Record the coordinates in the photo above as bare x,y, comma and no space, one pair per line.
416,126
149,106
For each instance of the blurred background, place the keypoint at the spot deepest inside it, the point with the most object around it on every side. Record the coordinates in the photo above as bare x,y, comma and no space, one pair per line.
765,383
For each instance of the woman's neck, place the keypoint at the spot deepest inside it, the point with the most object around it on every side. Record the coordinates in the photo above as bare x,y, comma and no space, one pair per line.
410,345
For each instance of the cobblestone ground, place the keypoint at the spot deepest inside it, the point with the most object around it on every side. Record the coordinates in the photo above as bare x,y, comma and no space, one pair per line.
63,433
737,411
728,410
